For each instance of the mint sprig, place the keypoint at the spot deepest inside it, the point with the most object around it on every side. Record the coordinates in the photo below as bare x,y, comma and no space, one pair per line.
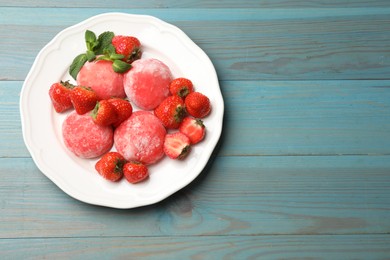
100,45
118,65
104,40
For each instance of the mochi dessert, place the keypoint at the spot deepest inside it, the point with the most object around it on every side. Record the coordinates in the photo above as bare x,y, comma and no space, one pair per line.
84,138
146,84
99,76
140,138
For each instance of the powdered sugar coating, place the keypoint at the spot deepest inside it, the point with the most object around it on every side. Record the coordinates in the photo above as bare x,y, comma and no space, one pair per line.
141,138
99,76
85,138
147,83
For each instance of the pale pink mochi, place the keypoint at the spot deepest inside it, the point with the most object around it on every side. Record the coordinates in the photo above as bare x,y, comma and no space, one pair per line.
147,83
99,76
85,138
141,138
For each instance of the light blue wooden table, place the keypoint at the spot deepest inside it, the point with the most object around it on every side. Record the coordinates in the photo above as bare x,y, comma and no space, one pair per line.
302,170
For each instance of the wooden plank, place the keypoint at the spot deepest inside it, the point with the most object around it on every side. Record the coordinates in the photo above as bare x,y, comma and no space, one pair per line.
69,16
197,4
11,138
340,43
236,247
271,118
306,117
233,196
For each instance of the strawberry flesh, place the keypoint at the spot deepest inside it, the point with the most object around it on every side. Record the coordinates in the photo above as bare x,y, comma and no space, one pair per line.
177,145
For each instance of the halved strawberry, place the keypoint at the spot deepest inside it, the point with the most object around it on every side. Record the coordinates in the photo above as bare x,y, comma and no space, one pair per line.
193,128
110,166
181,87
171,111
135,172
83,99
128,46
177,145
104,113
59,93
123,108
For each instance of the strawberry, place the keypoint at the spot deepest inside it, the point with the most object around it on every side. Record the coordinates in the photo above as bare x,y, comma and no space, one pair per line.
104,113
123,109
197,105
83,99
128,46
135,171
59,94
176,145
110,166
193,128
171,111
181,87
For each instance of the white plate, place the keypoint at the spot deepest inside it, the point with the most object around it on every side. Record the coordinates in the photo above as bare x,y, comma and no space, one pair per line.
41,124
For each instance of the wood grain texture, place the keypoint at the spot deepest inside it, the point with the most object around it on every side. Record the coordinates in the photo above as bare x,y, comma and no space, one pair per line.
271,118
233,196
306,117
254,44
247,247
197,4
11,138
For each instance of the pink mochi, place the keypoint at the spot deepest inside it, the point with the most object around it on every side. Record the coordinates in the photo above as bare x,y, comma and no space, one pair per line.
99,76
141,138
147,83
84,138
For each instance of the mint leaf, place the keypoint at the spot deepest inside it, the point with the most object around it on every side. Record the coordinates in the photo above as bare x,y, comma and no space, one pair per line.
110,54
90,40
90,55
104,57
90,36
115,56
109,50
76,65
107,53
120,66
104,40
